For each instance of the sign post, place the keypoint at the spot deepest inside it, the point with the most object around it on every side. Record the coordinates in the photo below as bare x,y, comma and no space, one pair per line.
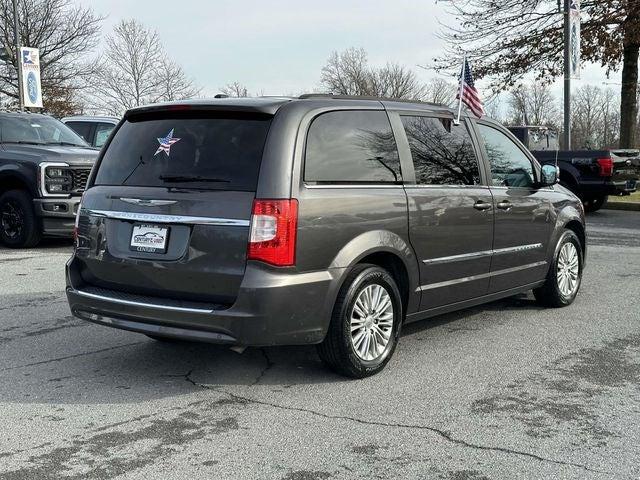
16,41
31,94
571,60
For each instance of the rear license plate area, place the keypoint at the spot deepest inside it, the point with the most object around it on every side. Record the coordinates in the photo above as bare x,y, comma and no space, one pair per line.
149,238
631,184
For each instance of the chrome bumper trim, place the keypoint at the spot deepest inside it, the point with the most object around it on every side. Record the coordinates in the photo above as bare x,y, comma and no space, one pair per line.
141,304
161,218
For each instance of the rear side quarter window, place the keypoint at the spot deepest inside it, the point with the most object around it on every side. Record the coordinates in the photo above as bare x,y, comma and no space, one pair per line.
443,153
351,147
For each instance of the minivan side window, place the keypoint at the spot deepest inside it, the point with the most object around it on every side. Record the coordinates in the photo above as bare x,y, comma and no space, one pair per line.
510,167
351,147
443,153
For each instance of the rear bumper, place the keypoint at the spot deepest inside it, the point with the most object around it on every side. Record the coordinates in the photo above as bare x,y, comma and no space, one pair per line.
57,214
272,308
622,187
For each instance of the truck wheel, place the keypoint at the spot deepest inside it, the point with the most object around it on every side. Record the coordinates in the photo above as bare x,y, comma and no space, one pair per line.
565,273
595,203
19,226
365,324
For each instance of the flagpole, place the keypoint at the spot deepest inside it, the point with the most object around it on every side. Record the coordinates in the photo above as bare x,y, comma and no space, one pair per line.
464,62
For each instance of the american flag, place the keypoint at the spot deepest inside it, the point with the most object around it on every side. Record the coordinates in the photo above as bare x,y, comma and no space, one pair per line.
470,95
165,143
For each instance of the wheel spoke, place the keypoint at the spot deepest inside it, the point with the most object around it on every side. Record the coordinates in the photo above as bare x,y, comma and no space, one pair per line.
371,322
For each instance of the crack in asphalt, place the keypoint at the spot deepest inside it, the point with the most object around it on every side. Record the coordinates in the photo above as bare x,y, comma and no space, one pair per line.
265,369
67,357
442,433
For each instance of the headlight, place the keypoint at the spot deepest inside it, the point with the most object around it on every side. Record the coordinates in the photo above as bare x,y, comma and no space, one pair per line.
55,172
55,179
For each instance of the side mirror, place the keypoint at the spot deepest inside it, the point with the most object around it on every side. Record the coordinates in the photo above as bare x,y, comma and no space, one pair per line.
550,175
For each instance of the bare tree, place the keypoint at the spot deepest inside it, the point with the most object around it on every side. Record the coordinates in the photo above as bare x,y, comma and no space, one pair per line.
348,73
533,105
235,89
174,83
494,108
65,33
441,91
594,117
135,70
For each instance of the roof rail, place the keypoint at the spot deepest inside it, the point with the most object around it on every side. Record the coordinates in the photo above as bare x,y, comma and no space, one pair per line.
366,97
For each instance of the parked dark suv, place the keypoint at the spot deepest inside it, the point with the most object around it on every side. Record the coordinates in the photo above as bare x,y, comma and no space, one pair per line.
315,220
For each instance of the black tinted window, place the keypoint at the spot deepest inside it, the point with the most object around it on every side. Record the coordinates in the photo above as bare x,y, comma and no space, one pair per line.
442,152
38,129
186,151
351,146
81,128
510,167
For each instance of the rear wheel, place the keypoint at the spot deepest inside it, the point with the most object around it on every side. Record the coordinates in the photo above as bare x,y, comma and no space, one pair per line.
565,273
594,204
19,226
365,324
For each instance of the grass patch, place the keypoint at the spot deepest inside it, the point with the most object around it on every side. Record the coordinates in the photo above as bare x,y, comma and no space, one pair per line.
634,198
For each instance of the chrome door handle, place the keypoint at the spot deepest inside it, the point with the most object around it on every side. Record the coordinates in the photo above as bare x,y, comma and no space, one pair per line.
504,205
480,205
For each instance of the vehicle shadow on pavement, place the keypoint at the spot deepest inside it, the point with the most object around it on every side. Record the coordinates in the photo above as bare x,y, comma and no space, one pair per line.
45,244
122,367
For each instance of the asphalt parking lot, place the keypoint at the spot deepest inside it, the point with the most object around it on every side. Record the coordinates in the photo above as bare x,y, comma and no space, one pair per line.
503,391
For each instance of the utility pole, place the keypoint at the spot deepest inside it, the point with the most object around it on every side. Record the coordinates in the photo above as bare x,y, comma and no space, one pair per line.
16,33
567,75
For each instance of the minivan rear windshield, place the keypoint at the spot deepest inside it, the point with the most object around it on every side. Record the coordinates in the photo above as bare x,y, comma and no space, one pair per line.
192,150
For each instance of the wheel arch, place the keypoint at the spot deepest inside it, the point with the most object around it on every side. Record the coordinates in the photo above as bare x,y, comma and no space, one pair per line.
570,218
14,181
389,251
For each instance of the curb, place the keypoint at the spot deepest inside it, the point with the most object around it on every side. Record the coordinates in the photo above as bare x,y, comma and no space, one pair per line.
629,206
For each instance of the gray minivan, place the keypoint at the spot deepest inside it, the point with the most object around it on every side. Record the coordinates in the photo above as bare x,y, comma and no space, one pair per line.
321,220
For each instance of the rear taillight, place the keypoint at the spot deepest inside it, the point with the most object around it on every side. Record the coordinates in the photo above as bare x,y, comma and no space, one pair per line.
77,223
273,232
606,167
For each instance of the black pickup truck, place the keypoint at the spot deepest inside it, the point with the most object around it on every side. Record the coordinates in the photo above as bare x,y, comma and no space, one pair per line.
592,175
44,167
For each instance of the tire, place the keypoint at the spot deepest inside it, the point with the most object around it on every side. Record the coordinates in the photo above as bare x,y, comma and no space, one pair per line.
19,226
595,203
338,350
554,293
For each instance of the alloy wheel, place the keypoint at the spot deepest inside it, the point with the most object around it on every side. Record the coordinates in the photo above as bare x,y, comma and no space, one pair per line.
12,219
568,269
371,322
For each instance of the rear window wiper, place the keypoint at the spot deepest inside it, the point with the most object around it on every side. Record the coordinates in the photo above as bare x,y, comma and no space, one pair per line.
192,178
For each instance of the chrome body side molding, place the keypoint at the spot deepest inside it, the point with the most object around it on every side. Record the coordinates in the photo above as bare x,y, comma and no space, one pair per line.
483,253
432,286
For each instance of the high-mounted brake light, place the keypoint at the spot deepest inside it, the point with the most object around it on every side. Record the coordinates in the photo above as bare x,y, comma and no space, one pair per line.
606,166
178,107
274,225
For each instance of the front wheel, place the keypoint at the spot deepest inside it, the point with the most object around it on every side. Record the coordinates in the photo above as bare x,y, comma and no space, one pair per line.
565,273
365,324
19,226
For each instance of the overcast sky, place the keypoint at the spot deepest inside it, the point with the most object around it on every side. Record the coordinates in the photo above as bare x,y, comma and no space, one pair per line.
279,46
